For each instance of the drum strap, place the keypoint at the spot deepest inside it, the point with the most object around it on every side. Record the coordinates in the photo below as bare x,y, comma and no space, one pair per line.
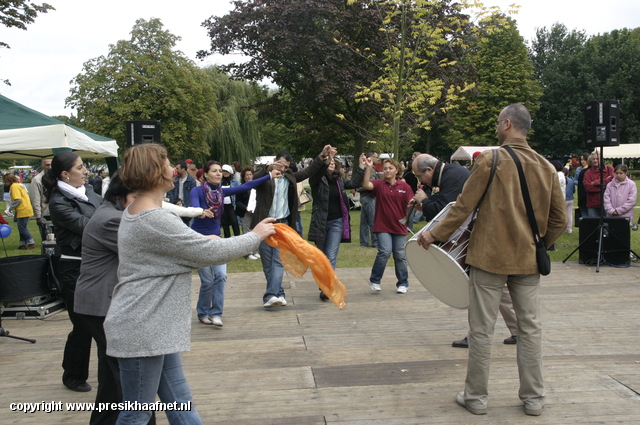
525,195
439,173
494,165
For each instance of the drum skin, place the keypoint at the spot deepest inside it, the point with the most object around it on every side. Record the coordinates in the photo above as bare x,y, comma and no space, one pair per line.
442,269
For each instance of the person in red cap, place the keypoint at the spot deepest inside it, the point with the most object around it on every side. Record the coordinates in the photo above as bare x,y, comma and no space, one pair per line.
475,155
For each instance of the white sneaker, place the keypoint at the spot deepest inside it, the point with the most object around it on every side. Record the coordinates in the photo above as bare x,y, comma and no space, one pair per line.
272,302
216,321
251,257
283,301
257,256
400,290
206,320
374,286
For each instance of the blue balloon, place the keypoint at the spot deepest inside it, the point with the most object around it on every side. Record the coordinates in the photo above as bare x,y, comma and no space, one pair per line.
5,230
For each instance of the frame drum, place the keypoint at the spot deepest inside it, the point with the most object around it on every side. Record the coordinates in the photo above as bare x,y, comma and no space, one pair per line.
442,269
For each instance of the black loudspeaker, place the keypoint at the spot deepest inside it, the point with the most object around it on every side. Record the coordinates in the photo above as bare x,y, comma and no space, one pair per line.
143,131
616,240
23,277
602,123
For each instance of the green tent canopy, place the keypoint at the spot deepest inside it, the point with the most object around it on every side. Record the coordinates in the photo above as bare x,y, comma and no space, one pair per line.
29,134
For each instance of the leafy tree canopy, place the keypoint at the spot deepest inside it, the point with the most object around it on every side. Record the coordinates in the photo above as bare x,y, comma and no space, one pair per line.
422,73
18,14
505,76
573,70
145,78
237,138
293,43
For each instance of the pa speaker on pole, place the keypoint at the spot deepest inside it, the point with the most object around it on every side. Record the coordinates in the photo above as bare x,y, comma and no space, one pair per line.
602,123
143,131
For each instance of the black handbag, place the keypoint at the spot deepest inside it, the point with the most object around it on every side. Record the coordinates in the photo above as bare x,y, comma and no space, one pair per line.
542,256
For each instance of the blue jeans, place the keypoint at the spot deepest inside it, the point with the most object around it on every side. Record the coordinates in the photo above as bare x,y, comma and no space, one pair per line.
25,235
273,271
593,212
213,282
414,218
299,227
389,243
367,211
144,377
332,239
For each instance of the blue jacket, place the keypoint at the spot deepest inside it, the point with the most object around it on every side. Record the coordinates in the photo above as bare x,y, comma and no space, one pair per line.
174,193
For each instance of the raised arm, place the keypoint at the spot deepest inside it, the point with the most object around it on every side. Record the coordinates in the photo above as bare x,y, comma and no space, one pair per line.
366,183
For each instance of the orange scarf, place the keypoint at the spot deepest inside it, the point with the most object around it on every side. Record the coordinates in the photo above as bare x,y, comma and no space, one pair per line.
297,255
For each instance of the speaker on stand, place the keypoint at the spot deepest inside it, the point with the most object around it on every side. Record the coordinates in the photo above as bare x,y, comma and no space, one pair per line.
602,128
143,131
616,240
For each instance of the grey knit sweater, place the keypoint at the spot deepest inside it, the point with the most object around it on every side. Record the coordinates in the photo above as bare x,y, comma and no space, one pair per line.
150,313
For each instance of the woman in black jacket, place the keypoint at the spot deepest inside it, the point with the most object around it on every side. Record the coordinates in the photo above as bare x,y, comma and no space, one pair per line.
72,202
330,220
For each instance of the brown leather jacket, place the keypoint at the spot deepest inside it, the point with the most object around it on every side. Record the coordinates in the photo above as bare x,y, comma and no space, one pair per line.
501,241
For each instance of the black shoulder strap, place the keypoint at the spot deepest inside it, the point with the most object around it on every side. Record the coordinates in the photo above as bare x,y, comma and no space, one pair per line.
494,165
525,194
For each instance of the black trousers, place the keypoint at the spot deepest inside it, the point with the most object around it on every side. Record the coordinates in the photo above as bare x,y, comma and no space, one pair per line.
229,218
77,350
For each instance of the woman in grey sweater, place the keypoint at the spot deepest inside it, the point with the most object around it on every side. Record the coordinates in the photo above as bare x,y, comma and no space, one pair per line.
149,320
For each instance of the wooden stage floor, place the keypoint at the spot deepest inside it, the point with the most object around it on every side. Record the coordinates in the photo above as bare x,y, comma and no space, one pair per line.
384,359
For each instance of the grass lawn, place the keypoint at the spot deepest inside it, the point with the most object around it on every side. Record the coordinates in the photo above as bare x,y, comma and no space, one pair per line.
350,255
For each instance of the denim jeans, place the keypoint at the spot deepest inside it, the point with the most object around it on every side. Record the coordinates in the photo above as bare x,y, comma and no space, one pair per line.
25,235
213,282
367,211
299,226
414,218
144,377
332,239
593,212
273,271
390,243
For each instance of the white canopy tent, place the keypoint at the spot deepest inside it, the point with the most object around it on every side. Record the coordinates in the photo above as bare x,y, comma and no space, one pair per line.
465,153
628,150
28,134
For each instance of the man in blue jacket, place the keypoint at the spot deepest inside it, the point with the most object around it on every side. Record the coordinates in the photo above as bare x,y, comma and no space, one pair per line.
182,185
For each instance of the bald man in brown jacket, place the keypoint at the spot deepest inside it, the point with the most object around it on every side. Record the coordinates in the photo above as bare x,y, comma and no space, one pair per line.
502,250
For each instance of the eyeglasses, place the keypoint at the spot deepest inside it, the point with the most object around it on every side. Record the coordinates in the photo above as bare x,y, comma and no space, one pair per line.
499,121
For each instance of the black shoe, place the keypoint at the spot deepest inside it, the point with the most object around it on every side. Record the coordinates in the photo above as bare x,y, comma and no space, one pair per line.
81,387
461,343
323,296
513,339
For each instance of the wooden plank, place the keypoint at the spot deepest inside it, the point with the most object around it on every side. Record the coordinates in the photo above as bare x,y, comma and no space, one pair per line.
383,359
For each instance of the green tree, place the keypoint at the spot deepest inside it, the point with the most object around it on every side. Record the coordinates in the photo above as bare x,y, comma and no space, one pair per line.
18,14
505,75
145,78
421,72
558,61
611,62
237,138
293,43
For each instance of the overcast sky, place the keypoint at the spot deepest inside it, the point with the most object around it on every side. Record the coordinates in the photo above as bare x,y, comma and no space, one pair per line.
45,58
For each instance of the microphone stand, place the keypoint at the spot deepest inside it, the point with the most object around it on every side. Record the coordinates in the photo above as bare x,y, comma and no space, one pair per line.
4,333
